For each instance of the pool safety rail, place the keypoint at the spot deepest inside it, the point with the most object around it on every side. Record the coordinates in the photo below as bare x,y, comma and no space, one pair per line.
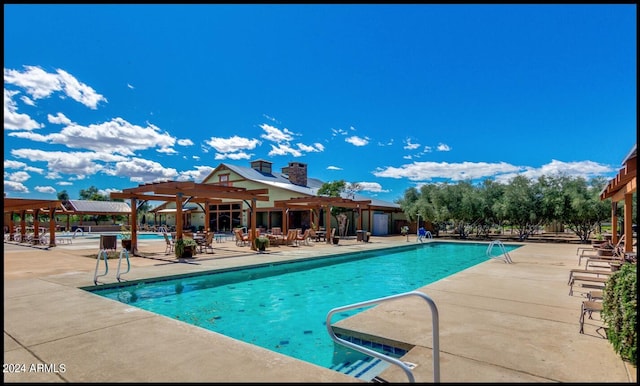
502,256
404,366
104,255
424,234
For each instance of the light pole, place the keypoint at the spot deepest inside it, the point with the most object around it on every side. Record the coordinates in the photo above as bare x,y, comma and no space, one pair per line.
418,225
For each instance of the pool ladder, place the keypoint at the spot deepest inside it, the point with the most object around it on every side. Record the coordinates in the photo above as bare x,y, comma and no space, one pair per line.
503,256
404,366
103,254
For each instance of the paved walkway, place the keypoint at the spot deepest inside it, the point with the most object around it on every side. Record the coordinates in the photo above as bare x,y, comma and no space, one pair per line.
498,322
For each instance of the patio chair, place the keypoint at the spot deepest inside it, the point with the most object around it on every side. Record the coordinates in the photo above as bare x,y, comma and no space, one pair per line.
589,307
595,251
291,237
241,240
595,272
169,242
208,243
304,237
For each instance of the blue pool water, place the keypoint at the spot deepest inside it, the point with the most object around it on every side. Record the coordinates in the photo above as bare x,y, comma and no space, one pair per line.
283,307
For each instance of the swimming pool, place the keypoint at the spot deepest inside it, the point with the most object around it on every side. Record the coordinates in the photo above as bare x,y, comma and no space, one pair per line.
283,306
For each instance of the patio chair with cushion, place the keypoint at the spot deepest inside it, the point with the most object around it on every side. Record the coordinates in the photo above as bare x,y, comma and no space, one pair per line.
241,239
303,237
291,237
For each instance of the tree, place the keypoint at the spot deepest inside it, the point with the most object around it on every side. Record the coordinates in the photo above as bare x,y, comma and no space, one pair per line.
92,194
334,189
584,209
63,196
522,206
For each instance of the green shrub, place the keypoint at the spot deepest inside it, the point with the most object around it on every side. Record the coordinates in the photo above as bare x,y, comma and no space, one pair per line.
619,311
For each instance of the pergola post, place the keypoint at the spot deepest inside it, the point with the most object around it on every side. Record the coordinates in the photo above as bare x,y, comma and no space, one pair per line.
254,219
628,228
327,222
36,225
178,216
207,216
134,226
52,227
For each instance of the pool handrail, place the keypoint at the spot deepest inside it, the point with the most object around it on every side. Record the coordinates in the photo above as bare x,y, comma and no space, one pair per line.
124,252
505,255
101,253
373,353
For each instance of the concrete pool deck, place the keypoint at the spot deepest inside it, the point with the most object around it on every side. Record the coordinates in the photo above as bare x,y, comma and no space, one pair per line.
498,322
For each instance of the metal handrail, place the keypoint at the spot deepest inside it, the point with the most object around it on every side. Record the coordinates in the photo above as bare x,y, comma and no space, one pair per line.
506,258
126,253
102,252
373,353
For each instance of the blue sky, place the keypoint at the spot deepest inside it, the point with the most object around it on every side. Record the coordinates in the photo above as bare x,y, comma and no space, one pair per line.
387,96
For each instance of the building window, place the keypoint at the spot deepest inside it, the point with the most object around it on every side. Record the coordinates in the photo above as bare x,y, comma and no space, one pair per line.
223,179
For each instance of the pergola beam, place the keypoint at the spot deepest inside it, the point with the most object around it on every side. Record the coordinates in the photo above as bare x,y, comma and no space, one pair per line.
178,191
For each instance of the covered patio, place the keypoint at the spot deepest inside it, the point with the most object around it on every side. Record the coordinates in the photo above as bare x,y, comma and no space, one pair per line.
322,202
182,193
23,207
622,188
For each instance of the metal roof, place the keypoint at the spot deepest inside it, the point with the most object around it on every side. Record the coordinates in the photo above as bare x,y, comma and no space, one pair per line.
98,207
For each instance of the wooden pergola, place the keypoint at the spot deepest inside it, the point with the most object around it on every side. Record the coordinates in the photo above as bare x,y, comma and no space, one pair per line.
24,206
621,188
320,202
183,192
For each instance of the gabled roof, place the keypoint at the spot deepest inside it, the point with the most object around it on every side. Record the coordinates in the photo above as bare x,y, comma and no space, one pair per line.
98,207
279,180
625,180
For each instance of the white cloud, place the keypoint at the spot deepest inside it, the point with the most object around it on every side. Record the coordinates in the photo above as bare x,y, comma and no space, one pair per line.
232,144
41,84
276,135
18,176
443,147
316,147
10,164
14,120
77,164
357,141
142,171
584,169
12,186
59,118
117,135
185,142
45,189
284,149
196,175
422,171
501,172
372,187
333,168
411,146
